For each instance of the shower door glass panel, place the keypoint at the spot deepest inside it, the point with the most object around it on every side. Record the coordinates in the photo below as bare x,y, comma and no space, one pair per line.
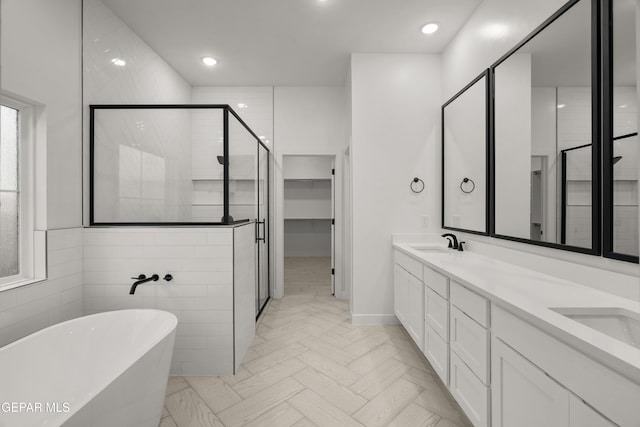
157,165
263,228
243,172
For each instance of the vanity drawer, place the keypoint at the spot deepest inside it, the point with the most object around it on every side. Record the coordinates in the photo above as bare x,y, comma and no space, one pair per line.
436,313
470,303
436,281
436,351
471,343
411,265
470,393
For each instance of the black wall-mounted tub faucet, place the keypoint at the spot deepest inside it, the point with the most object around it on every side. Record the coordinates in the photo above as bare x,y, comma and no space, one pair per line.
140,280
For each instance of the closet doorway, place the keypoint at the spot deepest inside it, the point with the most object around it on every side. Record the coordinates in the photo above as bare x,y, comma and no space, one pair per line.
309,225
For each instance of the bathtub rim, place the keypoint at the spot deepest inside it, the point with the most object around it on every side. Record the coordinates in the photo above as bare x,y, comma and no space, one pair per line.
135,355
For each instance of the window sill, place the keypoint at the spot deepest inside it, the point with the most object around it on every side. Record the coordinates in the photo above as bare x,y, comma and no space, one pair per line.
17,282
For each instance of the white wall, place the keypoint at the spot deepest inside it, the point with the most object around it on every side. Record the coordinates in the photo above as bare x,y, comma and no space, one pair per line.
307,238
163,137
395,119
308,121
513,146
494,28
41,63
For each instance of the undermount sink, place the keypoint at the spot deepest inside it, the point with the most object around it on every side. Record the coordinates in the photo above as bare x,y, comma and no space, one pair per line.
618,323
430,248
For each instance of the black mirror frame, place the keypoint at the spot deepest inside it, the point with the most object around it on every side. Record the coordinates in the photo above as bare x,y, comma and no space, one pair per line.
607,135
595,131
488,123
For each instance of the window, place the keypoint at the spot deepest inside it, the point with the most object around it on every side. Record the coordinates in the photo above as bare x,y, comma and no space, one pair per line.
18,263
9,192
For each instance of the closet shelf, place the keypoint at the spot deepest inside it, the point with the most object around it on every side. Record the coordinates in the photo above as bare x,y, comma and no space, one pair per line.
307,218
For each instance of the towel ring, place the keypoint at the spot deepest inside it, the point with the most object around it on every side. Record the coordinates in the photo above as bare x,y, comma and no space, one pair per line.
417,185
464,181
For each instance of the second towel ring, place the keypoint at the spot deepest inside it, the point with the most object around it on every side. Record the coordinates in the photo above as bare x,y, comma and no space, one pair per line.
417,185
464,181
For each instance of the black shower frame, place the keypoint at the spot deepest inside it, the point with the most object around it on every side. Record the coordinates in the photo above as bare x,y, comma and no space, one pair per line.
226,111
486,75
564,190
608,138
596,74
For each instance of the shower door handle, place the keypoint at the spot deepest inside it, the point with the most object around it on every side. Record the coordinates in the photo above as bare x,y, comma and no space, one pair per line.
258,231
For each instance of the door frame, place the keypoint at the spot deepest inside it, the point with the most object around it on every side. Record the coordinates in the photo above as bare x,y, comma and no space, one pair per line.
277,248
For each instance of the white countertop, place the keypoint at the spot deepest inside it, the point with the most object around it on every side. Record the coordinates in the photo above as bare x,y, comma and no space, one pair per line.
529,294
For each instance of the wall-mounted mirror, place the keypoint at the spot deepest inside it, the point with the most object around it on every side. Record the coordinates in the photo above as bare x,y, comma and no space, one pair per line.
464,158
546,120
620,146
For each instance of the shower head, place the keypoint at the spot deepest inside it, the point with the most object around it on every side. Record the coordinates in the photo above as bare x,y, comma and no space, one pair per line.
220,159
616,159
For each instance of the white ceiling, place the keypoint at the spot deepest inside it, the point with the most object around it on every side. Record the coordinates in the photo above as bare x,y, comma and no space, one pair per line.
285,42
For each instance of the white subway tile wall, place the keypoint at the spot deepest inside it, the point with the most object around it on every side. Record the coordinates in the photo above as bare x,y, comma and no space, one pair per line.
33,307
200,295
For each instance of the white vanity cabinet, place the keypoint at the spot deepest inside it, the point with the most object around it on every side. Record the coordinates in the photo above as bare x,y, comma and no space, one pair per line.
409,296
522,394
525,396
539,380
469,343
436,322
506,369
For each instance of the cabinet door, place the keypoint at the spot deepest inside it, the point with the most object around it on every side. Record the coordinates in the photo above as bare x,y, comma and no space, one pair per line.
436,350
400,293
582,415
522,395
470,393
415,315
436,312
471,342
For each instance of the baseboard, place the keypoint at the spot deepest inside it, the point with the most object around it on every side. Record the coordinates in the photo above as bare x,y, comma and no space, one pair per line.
374,319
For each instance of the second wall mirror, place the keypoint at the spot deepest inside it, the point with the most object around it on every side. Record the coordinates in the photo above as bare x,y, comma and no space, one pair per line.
546,125
464,158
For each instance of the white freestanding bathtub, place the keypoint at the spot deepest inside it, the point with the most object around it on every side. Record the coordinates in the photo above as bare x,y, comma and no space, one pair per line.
104,370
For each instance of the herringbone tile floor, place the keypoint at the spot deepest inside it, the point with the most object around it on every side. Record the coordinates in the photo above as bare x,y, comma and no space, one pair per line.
308,365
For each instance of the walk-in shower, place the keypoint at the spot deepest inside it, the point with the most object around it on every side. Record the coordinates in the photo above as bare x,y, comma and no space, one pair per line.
179,165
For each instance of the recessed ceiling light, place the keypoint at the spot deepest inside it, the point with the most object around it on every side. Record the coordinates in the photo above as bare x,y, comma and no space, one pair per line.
562,105
262,137
623,106
241,105
209,61
430,28
119,62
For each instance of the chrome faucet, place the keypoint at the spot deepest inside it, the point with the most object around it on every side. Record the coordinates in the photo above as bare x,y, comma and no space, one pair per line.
452,243
140,280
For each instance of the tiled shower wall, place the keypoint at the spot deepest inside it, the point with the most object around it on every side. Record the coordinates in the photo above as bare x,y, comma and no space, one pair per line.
200,295
146,154
30,308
